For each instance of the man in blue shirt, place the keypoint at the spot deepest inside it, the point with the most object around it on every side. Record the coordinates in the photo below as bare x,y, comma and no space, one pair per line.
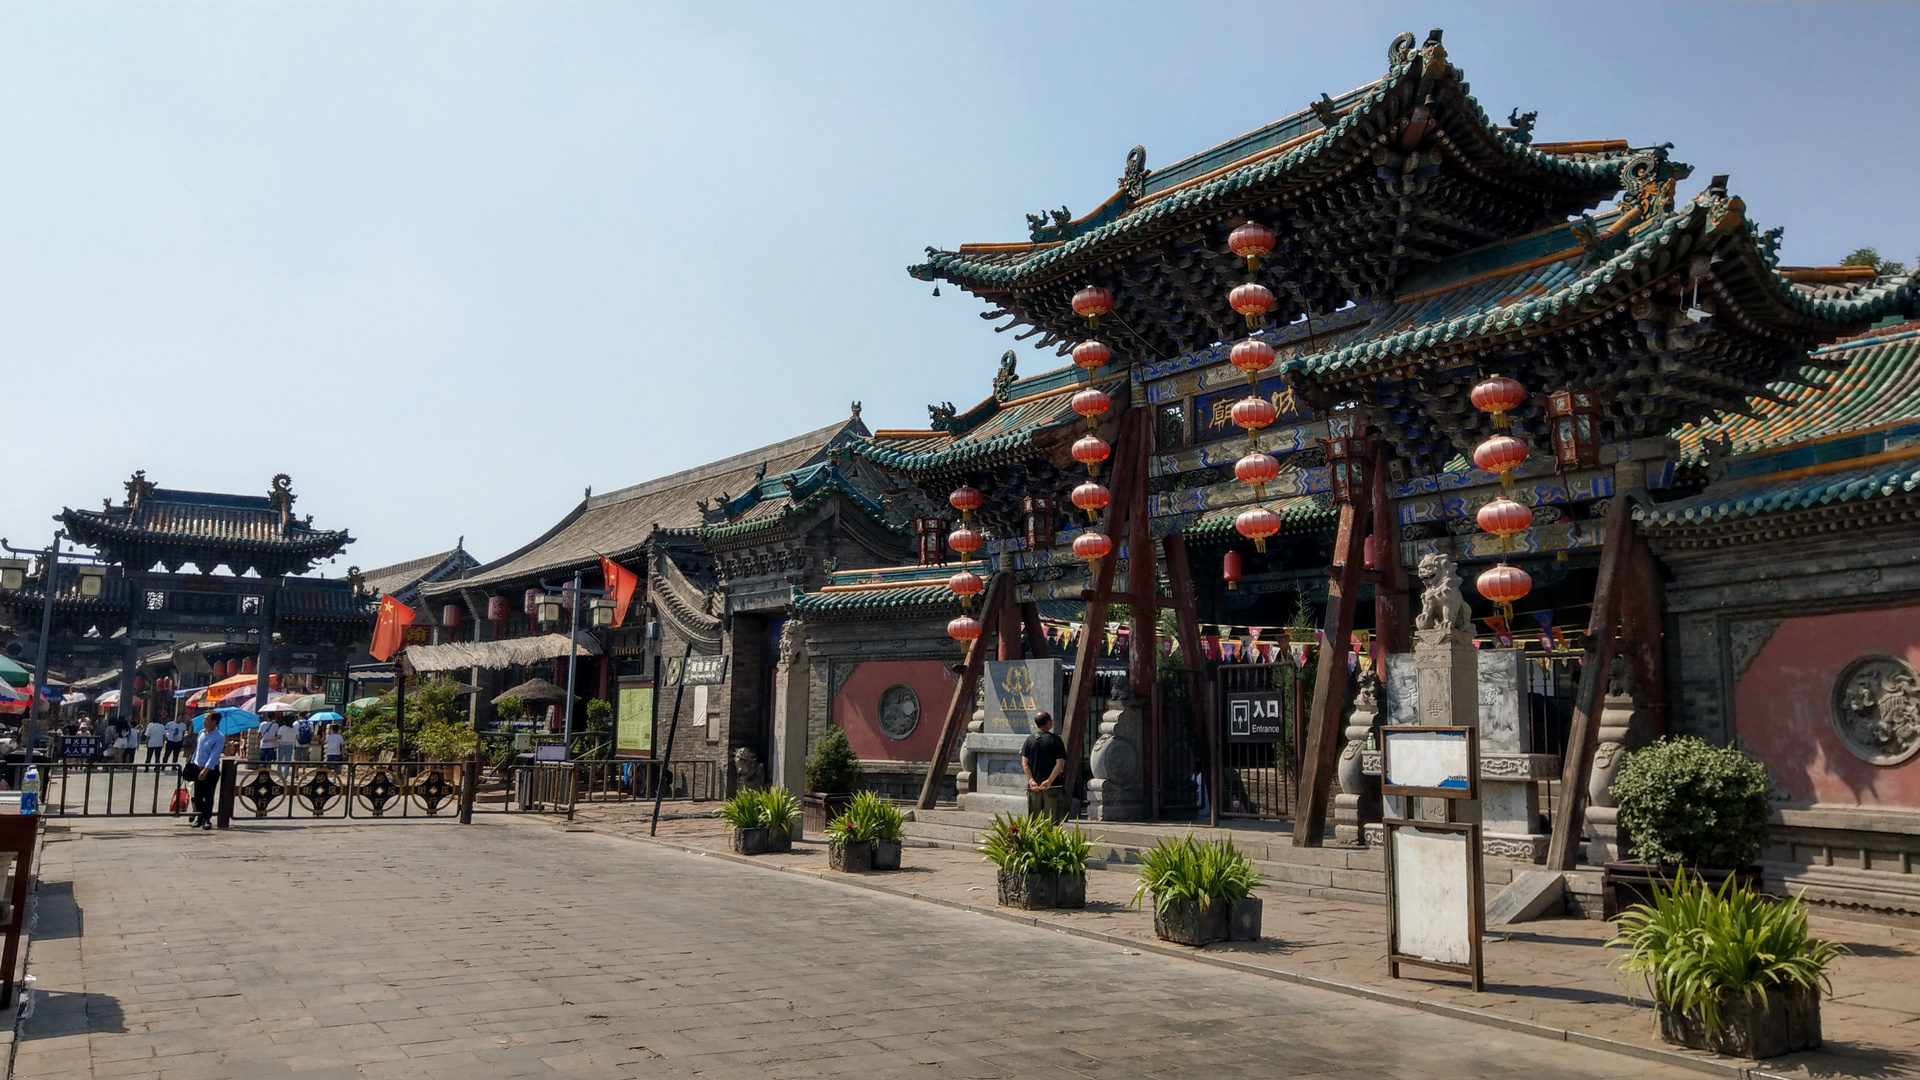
206,758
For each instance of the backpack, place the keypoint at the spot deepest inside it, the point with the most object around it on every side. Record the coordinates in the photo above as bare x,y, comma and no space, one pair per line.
303,733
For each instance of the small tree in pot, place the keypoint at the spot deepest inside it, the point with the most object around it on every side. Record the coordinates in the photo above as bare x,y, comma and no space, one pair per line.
1201,892
833,775
1686,803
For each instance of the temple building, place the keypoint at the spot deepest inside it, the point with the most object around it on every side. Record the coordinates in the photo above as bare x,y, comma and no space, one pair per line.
1281,348
137,624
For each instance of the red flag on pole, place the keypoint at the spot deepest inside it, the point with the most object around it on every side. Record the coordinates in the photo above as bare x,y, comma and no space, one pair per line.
391,631
620,585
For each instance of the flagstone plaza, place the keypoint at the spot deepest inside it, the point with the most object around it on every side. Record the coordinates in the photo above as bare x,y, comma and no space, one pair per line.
511,949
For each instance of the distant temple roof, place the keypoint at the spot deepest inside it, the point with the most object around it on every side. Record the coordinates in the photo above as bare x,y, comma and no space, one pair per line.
404,580
174,528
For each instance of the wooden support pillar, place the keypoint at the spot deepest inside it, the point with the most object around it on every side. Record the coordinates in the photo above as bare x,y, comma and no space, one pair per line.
999,594
1199,686
1392,621
1330,684
1006,625
1036,632
1143,626
1577,758
1127,466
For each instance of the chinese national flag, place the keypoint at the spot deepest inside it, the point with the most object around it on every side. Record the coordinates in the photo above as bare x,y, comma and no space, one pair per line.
391,631
620,585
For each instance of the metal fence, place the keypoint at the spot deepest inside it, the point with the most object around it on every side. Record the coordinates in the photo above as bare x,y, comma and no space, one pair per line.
1261,778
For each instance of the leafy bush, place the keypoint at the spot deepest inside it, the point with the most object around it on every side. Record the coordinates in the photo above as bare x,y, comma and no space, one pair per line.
599,714
1186,869
1035,845
1697,947
373,734
509,709
760,808
441,741
868,817
1684,802
832,768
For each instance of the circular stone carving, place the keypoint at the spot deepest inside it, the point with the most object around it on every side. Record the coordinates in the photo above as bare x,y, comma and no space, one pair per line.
899,711
1876,708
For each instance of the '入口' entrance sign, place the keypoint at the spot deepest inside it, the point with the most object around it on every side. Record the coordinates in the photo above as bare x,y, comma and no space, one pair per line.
1259,717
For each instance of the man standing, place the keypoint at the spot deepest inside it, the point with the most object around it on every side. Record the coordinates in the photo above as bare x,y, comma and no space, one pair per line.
1043,758
156,738
206,758
176,734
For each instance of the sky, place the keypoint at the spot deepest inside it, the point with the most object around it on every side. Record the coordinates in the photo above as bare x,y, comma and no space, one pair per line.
450,264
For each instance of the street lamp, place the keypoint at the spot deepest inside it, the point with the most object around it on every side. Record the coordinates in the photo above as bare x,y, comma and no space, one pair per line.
13,574
546,605
93,580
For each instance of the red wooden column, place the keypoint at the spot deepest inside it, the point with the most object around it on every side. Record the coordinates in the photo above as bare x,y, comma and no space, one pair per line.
1392,622
1099,594
1036,632
1330,684
1199,686
1143,620
1006,625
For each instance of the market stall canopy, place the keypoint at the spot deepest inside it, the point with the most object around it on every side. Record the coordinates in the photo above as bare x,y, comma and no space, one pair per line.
111,697
12,673
492,655
534,692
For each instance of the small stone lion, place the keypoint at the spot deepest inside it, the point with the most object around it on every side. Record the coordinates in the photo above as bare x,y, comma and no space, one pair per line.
748,770
1441,605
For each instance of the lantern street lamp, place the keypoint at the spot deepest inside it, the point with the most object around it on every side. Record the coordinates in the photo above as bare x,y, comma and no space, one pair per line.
545,603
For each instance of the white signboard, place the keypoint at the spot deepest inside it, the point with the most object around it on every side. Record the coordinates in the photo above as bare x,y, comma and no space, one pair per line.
1432,881
1427,761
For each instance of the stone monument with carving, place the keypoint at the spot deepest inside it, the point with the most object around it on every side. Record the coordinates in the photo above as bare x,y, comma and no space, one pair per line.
1617,713
1117,790
1011,691
1359,799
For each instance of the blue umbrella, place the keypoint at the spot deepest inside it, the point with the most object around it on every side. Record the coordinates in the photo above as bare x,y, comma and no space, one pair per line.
237,721
328,717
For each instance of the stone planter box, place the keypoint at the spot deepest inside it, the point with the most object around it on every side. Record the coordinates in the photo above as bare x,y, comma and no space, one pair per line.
1035,892
856,858
1243,922
1624,884
759,841
1184,923
817,808
779,840
886,854
1780,1025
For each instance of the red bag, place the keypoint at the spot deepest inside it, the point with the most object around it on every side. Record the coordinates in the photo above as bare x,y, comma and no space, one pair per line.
179,804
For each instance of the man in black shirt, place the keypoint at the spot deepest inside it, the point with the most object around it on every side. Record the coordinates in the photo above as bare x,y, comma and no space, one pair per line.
1044,759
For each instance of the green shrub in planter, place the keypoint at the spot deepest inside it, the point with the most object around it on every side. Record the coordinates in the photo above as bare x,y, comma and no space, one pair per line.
867,818
1041,864
1731,970
1684,802
1183,869
832,768
761,808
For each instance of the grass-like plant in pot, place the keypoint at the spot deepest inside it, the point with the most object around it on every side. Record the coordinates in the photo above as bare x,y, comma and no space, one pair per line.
866,835
1731,970
1041,863
1201,892
760,820
1684,802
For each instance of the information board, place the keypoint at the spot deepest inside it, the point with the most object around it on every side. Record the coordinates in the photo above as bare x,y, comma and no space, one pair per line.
704,670
1016,689
1430,761
1434,906
633,723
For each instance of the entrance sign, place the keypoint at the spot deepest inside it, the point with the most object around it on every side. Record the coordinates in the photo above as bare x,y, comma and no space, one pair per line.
704,671
1432,761
1434,910
633,723
1259,717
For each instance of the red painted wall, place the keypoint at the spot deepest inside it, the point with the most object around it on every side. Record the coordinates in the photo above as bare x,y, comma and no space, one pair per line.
856,708
1781,707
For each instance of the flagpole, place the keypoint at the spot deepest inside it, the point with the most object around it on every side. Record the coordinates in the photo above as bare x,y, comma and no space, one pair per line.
573,662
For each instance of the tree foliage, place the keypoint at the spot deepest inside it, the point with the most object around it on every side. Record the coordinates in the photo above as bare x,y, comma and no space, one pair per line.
1867,256
832,768
1684,802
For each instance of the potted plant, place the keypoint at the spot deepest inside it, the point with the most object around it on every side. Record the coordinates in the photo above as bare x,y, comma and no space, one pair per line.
1201,893
1732,970
1041,864
833,775
760,820
1686,803
866,835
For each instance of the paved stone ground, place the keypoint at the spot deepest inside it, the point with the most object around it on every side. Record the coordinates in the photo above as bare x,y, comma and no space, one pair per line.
1553,972
517,948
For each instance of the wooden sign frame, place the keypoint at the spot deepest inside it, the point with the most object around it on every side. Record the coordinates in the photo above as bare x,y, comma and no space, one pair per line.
1471,791
1474,968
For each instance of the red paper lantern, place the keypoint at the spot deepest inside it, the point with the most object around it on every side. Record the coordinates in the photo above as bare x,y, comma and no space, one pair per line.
1092,355
1250,300
1091,497
964,629
1500,454
964,540
966,498
1370,553
1092,546
1253,413
139,684
1091,450
249,666
529,601
496,608
1092,302
1251,355
1256,469
273,682
1503,517
164,684
1092,404
966,584
1230,569
450,616
1250,241
1498,395
1256,524
1503,584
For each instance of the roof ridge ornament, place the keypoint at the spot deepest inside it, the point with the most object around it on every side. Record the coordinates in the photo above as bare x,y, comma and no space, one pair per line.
1647,181
138,488
1522,132
1134,180
280,495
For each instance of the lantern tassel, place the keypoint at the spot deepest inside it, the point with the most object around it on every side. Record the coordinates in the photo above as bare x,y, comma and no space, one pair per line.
1260,544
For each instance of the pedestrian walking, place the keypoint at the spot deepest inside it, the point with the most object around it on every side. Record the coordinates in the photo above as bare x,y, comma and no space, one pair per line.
336,744
156,740
1043,757
205,769
269,740
286,740
176,734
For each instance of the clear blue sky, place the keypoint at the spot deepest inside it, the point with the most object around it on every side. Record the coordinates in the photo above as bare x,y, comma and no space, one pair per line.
448,264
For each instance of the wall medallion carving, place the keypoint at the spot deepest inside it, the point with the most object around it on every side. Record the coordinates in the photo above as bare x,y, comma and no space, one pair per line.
1876,708
899,711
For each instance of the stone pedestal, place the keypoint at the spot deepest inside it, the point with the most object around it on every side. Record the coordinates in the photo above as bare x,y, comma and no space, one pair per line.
1118,790
1447,678
1617,714
1359,799
1011,691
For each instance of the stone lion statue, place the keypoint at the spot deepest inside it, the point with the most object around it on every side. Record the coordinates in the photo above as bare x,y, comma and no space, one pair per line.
1441,605
748,770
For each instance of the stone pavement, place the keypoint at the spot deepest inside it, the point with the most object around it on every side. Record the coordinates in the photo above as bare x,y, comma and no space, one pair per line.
519,948
1549,972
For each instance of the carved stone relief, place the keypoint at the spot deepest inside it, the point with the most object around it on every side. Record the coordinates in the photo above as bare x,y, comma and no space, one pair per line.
899,711
1876,708
1746,639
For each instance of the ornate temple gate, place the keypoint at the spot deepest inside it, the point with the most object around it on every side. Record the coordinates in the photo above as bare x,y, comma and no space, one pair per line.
1260,708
